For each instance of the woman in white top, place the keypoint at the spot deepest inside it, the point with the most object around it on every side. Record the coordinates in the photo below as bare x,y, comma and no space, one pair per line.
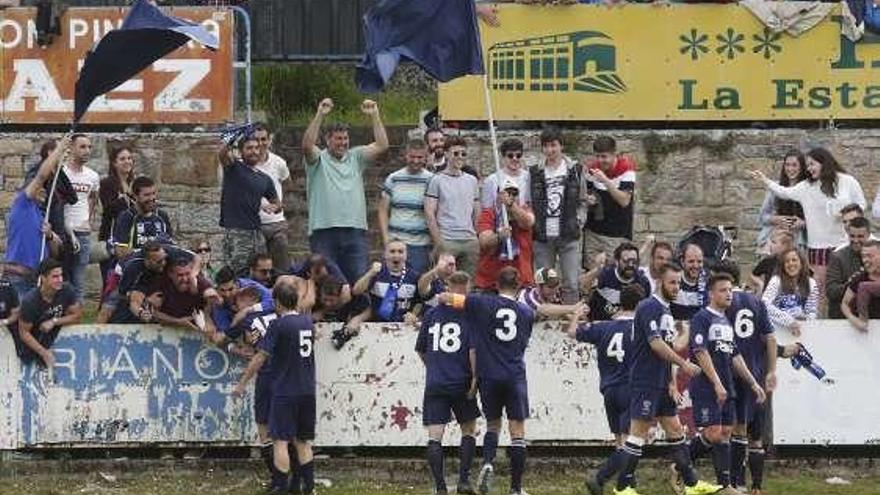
791,295
825,192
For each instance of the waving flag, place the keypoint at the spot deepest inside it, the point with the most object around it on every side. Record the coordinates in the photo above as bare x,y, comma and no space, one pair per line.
441,36
146,35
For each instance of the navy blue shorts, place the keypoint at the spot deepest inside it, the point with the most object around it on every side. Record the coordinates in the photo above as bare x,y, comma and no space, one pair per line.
510,397
292,418
707,412
647,404
617,408
438,407
262,399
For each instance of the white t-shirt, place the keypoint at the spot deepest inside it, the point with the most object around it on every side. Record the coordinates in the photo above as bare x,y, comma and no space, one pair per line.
276,168
555,191
85,182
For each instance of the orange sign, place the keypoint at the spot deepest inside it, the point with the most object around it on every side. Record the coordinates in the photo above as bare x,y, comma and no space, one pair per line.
192,85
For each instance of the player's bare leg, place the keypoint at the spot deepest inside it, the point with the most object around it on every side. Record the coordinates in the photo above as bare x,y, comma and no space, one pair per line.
282,466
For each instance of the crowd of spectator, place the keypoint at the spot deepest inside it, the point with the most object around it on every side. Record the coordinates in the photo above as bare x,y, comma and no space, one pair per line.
564,223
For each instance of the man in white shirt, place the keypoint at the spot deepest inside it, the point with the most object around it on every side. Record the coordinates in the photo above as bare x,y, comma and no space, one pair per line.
78,216
273,225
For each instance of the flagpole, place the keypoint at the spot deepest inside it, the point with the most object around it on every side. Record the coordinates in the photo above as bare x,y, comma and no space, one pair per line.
51,195
505,221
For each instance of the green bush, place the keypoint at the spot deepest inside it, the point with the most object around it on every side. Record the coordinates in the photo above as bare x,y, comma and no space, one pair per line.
289,94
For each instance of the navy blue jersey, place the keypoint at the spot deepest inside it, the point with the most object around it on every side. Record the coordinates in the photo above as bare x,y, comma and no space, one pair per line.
614,347
751,325
691,298
289,341
446,340
8,298
503,327
224,313
711,331
392,296
605,301
653,320
253,328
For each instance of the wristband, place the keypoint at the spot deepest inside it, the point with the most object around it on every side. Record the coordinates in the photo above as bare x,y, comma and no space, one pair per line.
458,301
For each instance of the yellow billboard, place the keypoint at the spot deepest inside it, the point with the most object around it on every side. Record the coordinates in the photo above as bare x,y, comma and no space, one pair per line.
670,62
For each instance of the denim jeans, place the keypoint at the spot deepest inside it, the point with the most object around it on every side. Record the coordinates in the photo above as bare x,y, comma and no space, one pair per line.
80,262
345,246
566,255
419,257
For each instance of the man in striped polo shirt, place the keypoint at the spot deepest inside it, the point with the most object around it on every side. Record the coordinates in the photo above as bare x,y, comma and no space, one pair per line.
402,206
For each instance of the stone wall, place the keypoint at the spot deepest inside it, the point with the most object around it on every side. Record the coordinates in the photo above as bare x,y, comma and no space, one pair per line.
686,177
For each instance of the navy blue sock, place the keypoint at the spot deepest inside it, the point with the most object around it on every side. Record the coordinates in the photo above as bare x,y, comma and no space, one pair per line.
490,446
435,462
631,452
279,480
466,457
721,460
699,447
267,454
517,455
294,469
738,446
681,456
613,465
307,475
756,467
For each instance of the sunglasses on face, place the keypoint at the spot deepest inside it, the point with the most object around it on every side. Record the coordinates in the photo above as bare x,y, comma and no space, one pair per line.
459,153
513,156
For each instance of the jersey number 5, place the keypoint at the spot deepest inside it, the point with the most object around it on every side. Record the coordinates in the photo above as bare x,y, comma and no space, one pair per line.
305,343
507,331
615,347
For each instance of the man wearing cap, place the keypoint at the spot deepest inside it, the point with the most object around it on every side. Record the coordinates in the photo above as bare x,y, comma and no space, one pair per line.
545,297
504,231
244,188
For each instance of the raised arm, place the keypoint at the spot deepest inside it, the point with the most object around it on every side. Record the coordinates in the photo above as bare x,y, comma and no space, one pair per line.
363,283
310,137
47,168
790,193
382,214
380,138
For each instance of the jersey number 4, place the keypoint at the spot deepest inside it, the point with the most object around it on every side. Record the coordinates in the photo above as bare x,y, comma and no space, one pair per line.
447,338
615,347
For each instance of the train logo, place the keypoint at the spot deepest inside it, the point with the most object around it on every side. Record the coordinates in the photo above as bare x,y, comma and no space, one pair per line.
578,61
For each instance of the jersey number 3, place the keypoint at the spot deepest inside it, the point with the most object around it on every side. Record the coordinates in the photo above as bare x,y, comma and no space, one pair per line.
507,318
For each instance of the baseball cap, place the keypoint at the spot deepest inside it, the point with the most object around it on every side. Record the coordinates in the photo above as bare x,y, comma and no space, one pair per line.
509,184
546,275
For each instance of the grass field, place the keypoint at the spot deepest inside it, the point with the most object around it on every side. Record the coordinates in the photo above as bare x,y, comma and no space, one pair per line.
177,480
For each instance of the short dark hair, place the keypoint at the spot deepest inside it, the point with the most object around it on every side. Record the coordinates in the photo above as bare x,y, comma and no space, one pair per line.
510,145
285,295
508,278
717,278
604,144
335,127
140,183
151,247
75,136
225,275
630,296
47,265
729,267
262,126
256,258
852,207
550,134
432,130
670,267
331,288
624,246
662,245
416,144
860,223
454,141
